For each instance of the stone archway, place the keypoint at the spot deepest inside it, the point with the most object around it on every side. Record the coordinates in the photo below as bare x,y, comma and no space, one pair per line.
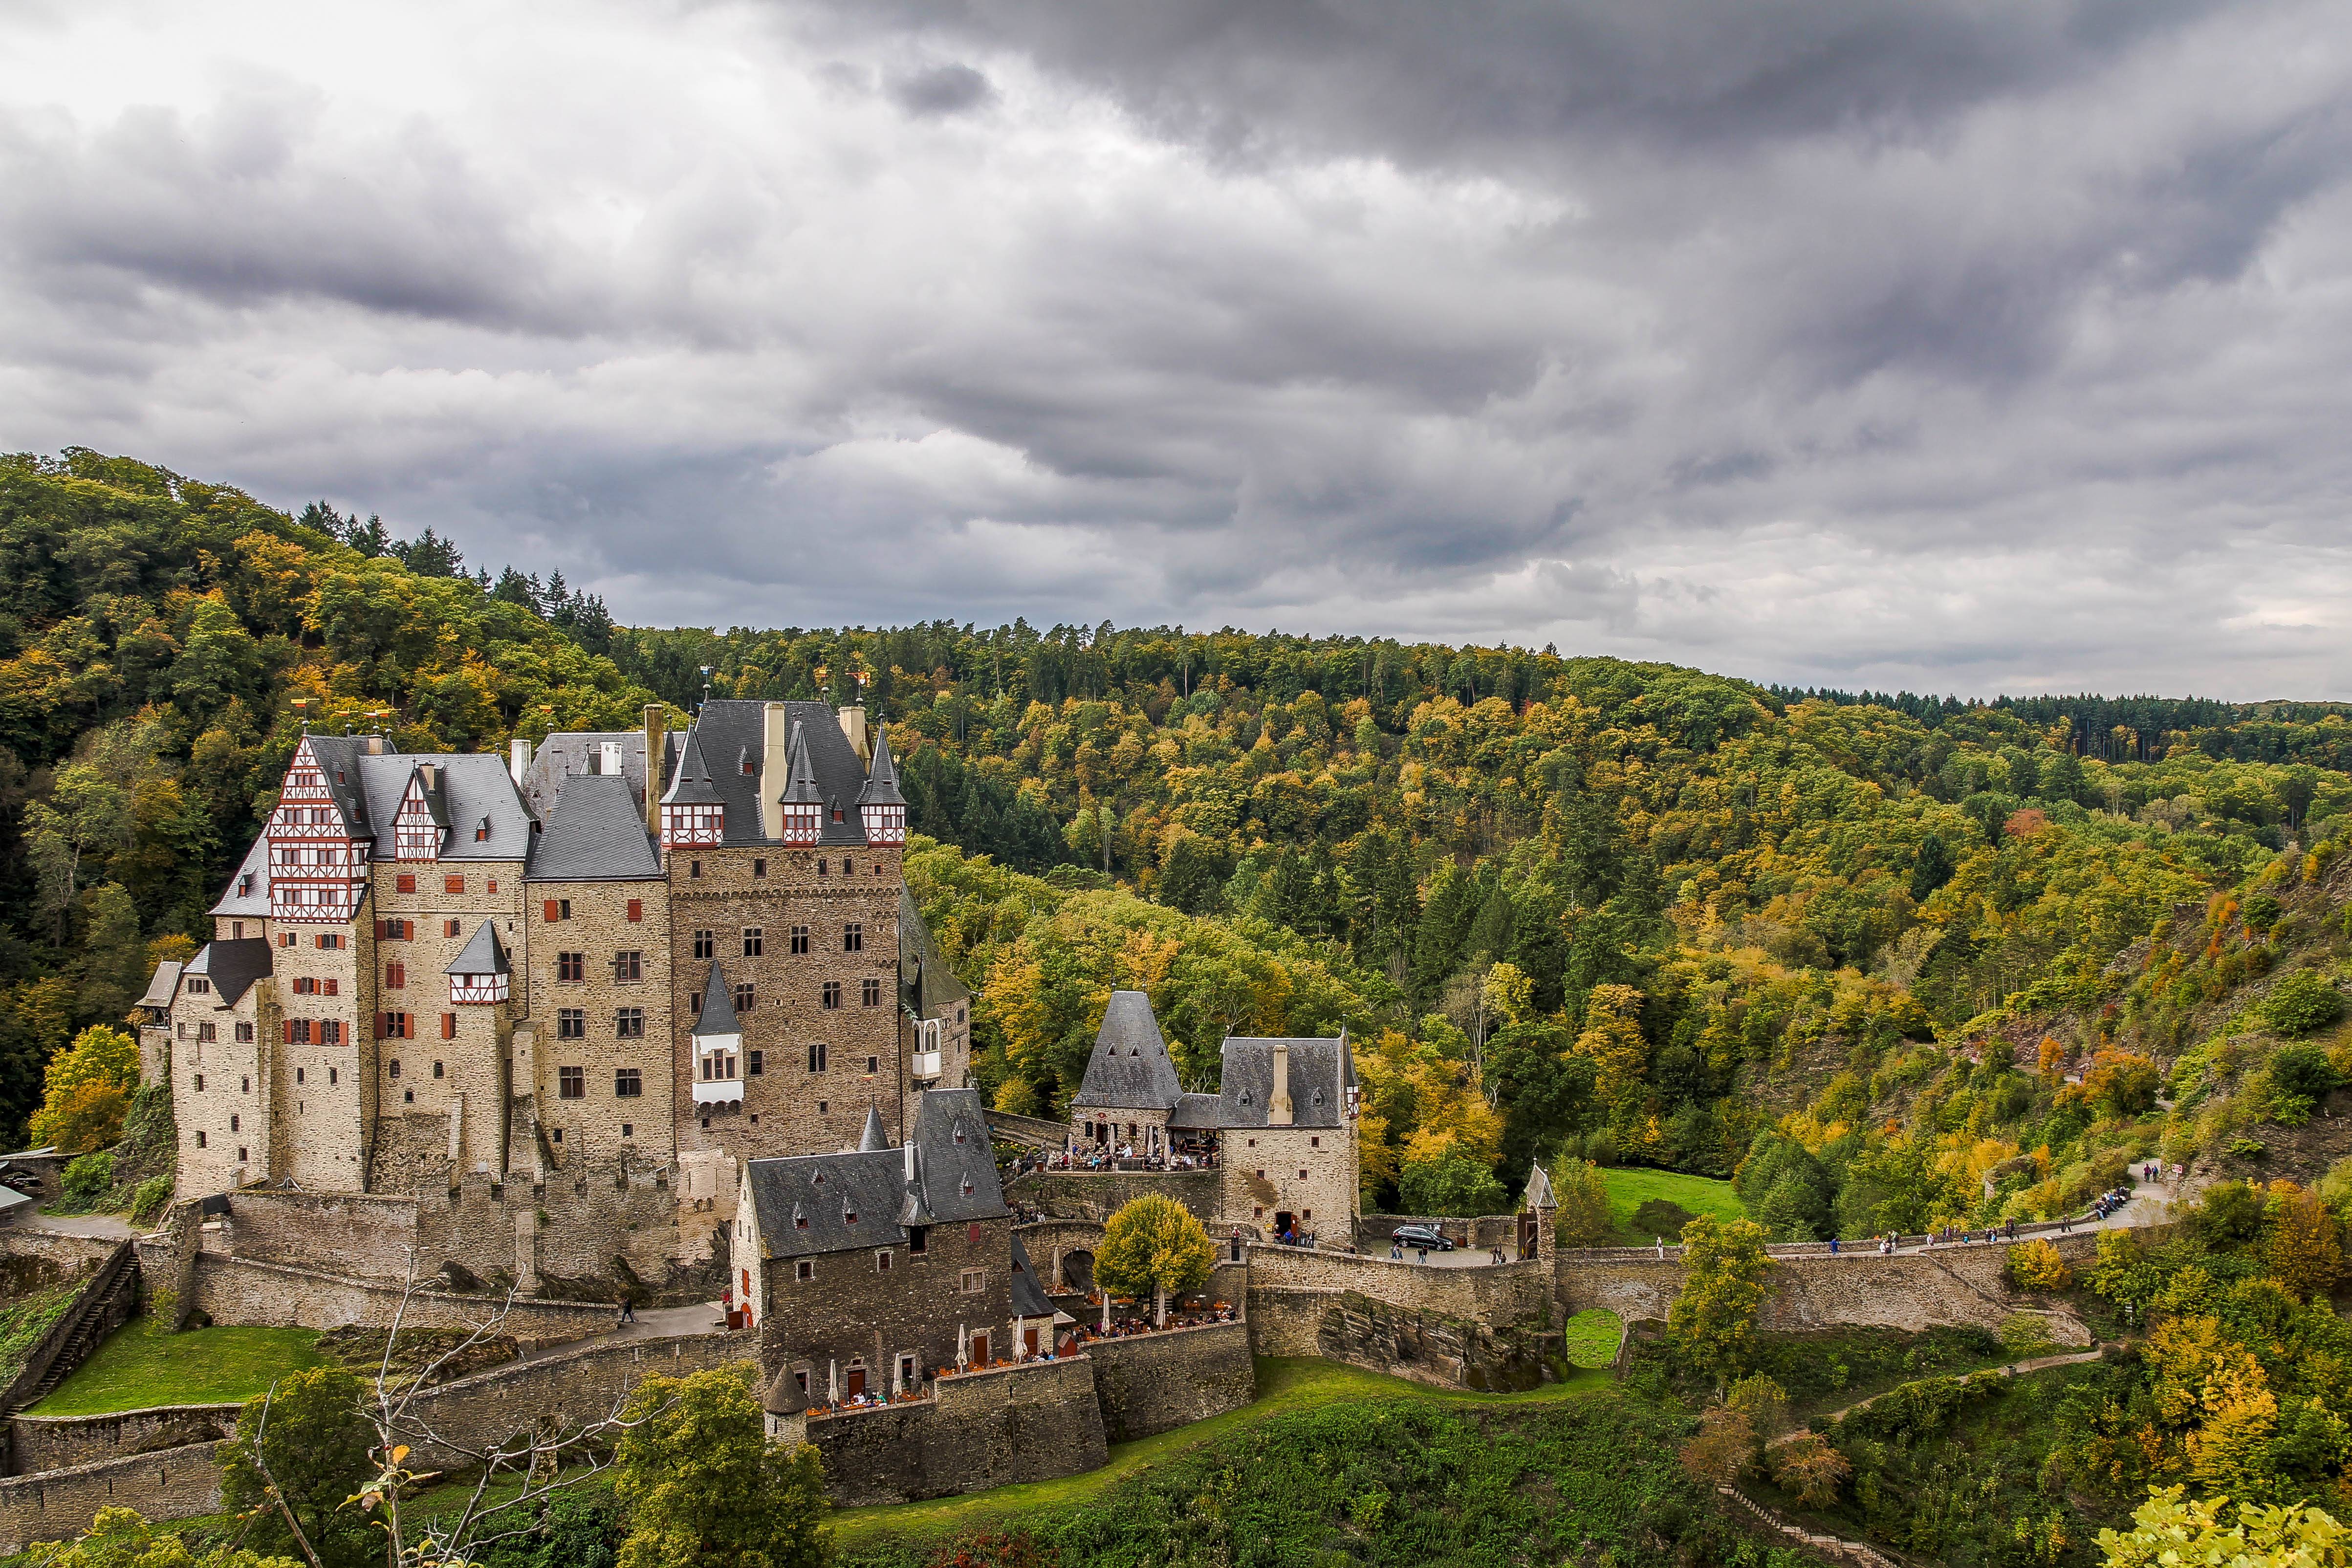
1078,1271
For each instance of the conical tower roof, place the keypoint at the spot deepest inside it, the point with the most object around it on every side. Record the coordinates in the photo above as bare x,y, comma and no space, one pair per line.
874,1138
800,774
882,780
485,954
718,1008
691,785
1539,1194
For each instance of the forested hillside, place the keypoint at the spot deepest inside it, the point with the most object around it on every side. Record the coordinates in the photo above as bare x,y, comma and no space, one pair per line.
1894,945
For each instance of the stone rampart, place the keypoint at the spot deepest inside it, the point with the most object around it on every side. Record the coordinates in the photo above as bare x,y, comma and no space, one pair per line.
1038,1421
248,1291
1428,1347
1155,1382
58,1505
1499,1295
1098,1194
366,1236
67,1251
60,1442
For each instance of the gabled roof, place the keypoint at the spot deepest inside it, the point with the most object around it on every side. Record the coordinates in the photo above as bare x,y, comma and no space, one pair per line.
483,954
882,781
255,899
568,755
692,784
232,967
718,1008
1194,1111
594,834
1538,1194
1131,1069
803,1203
1029,1298
1321,1072
473,788
424,784
339,764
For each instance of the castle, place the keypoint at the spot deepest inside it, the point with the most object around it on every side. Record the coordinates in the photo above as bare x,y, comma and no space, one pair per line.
590,983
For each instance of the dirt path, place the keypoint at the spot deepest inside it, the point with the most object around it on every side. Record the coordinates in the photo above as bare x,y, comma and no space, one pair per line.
2014,1369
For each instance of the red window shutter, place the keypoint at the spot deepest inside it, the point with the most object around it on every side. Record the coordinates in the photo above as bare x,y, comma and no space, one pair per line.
379,930
636,909
329,986
405,882
548,913
448,1025
379,1026
290,1031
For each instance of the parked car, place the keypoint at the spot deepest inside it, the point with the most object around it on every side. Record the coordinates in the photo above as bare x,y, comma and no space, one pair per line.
1424,1235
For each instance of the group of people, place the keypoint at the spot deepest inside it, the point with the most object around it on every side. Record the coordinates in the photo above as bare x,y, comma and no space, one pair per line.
1130,1327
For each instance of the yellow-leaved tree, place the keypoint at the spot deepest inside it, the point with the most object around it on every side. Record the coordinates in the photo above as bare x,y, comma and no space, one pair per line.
1154,1244
88,1091
2171,1530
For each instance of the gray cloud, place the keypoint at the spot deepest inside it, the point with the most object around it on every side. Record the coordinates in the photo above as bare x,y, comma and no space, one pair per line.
1937,344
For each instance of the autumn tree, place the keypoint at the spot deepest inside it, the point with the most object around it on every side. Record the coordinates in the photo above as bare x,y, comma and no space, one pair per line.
120,1538
702,1485
1712,1317
1154,1244
2306,1247
1583,1191
88,1090
2170,1530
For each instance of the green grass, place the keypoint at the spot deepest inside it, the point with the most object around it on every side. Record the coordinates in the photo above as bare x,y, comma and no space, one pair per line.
24,1320
136,1368
1284,1388
1629,1189
1593,1335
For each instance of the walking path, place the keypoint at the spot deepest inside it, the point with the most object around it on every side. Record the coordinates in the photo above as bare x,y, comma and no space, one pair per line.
2014,1369
111,1226
653,1323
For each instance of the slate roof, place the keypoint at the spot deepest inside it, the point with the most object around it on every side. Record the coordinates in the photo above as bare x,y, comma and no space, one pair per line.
804,1202
256,901
691,783
926,982
594,833
1194,1111
882,780
1130,1068
718,1008
1029,1298
482,954
1321,1071
339,763
472,786
874,1137
729,728
568,755
1538,1194
232,966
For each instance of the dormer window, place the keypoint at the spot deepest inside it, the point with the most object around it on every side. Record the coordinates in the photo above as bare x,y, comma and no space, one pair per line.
244,883
967,1186
743,763
799,1222
849,1216
817,1180
1246,1097
958,1133
482,831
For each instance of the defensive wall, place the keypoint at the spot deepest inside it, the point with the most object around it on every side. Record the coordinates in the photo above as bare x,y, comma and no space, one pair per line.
41,1443
248,1292
58,1505
1156,1383
1034,1422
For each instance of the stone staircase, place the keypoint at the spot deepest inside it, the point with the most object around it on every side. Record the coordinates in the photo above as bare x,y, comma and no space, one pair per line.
1837,1548
105,1304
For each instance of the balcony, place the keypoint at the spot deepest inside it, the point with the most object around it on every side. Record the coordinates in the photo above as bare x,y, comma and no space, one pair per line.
926,1065
718,1091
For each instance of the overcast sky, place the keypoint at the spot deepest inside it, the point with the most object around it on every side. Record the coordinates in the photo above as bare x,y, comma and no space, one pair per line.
1960,346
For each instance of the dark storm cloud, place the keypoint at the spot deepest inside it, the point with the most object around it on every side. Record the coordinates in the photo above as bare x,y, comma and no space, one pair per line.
1940,344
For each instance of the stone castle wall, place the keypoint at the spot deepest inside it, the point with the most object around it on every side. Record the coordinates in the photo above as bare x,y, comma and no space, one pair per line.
1501,1296
1156,1383
1430,1347
246,1290
61,1442
1098,1195
1036,1422
58,1505
566,1390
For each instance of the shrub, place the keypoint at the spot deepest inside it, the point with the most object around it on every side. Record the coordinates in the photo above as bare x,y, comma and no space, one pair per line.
148,1201
2304,1070
1452,1183
2024,1335
2036,1266
89,1177
2301,1003
1809,1468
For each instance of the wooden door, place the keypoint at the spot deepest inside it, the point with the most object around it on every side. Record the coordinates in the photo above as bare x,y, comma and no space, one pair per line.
857,1381
1029,1341
980,1348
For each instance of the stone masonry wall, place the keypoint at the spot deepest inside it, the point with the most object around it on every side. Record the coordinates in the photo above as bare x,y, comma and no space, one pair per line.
1500,1296
1427,1347
1096,1195
568,1389
245,1290
1034,1422
1156,1383
177,1483
57,1443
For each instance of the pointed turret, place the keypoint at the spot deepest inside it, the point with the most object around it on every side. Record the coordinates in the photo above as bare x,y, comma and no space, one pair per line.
480,972
876,1139
1539,1193
804,805
718,1046
692,812
880,807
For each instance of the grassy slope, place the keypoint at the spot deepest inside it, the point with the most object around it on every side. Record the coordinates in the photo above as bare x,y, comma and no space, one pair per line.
24,1320
1284,1388
1629,1188
203,1366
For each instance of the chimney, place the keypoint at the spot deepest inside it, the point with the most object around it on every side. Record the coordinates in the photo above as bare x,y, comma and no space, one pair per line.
374,745
1277,1105
517,759
657,742
853,724
775,767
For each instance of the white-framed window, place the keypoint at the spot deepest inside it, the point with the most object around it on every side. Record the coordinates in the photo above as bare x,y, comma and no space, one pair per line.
804,1270
882,1261
975,1280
